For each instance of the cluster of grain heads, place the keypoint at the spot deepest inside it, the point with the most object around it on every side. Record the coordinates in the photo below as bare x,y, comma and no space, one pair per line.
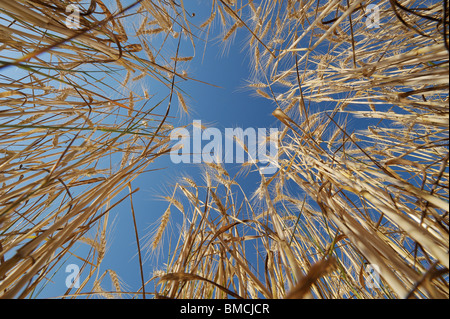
231,247
73,134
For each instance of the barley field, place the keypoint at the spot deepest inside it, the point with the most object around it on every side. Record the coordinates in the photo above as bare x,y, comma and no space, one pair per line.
349,213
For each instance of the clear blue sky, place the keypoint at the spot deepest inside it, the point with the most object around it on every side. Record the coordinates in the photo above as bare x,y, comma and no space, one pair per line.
227,107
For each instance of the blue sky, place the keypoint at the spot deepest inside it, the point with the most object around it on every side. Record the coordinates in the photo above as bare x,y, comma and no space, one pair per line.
229,106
